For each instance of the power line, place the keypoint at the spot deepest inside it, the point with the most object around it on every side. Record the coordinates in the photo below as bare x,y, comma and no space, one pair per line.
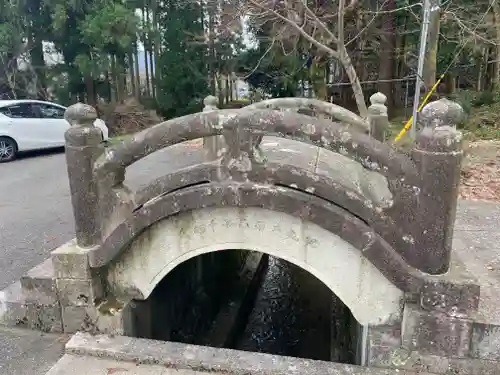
421,57
411,122
469,39
403,79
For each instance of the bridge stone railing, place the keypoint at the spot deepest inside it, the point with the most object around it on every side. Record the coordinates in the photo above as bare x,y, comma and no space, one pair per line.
423,186
376,124
407,237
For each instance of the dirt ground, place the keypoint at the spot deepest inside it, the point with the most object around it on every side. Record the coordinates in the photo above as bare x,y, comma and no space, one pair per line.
481,171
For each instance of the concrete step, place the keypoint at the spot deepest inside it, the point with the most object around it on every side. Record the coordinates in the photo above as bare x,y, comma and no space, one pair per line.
13,307
78,365
17,311
39,284
127,355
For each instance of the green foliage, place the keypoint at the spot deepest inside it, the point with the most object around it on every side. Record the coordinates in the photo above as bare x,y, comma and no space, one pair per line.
275,73
9,37
111,27
184,74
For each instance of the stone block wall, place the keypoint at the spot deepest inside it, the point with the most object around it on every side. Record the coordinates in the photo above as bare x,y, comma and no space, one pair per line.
85,304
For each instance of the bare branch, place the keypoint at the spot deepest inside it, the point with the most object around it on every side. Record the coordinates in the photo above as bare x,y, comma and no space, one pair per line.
261,58
295,26
317,21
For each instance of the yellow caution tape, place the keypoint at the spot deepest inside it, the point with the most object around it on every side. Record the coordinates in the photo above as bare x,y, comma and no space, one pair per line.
424,102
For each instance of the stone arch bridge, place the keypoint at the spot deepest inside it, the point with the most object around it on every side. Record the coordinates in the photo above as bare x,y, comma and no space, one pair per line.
374,224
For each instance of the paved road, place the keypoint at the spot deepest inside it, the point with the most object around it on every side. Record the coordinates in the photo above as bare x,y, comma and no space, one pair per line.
35,212
35,206
35,218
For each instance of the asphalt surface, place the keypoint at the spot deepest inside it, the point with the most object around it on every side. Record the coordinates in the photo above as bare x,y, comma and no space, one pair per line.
35,218
35,212
35,204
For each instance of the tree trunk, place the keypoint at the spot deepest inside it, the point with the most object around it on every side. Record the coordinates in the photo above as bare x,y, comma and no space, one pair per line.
354,80
399,98
145,44
114,80
137,70
153,73
131,69
387,51
107,79
211,46
483,65
38,65
157,41
496,67
90,89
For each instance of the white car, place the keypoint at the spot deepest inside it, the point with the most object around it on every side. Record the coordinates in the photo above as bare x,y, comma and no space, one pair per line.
27,125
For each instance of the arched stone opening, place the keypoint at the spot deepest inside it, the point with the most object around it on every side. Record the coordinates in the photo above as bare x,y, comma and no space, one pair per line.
371,297
257,304
195,240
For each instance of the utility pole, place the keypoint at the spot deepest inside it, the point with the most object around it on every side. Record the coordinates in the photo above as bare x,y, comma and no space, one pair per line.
420,70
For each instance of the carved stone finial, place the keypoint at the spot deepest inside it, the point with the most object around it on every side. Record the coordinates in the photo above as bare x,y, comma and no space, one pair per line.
378,101
439,132
378,98
81,115
442,112
210,103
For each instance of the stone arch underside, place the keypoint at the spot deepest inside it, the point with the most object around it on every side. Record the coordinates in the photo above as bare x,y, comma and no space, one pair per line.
371,297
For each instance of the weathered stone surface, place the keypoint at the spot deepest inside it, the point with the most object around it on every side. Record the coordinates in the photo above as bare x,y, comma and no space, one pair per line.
71,262
485,342
397,211
383,343
369,295
442,112
418,362
435,333
39,284
13,306
281,199
304,167
83,147
453,299
16,311
297,204
106,317
79,365
84,365
75,292
207,359
378,119
73,318
320,107
44,317
437,155
397,225
322,133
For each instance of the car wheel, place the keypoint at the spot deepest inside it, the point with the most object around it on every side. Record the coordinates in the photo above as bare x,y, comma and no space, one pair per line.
8,149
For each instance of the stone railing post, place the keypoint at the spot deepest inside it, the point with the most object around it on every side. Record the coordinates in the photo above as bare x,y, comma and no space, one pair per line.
438,155
212,144
83,146
377,116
